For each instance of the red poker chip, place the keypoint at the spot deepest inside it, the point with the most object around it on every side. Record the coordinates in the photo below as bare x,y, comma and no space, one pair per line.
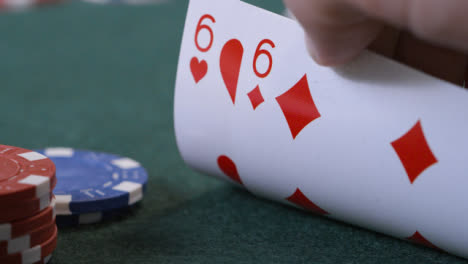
44,260
24,4
30,240
24,174
12,230
22,203
36,254
24,209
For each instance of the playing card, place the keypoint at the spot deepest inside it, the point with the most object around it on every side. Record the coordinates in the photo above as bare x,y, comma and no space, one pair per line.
375,143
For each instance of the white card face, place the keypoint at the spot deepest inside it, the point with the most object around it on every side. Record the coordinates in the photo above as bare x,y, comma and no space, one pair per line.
199,106
374,143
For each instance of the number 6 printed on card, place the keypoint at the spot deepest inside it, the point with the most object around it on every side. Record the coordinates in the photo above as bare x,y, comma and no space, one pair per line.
199,68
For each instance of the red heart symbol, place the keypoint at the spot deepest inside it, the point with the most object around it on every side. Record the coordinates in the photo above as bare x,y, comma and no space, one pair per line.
229,168
198,68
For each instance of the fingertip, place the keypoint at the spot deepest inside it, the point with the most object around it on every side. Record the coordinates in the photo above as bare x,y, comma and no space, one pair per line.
342,45
330,57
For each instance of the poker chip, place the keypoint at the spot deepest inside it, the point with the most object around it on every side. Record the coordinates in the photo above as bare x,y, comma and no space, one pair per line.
44,260
128,2
28,233
13,5
9,231
22,209
36,237
24,174
90,182
91,218
37,254
22,203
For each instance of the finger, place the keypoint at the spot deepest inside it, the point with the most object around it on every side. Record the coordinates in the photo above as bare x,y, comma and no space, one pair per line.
442,22
465,81
386,42
336,32
444,63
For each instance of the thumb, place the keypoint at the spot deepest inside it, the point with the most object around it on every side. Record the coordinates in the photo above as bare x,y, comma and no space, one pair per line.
336,32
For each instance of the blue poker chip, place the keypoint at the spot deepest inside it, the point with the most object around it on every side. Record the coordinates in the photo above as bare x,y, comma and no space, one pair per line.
90,182
74,220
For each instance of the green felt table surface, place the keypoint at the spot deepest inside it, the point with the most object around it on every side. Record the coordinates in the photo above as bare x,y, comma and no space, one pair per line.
102,78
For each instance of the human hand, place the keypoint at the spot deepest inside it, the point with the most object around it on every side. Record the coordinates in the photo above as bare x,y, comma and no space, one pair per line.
430,35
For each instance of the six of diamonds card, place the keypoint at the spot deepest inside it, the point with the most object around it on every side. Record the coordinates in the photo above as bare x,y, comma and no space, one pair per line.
374,143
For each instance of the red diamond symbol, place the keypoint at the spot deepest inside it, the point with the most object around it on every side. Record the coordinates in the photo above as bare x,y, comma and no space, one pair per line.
298,106
414,152
301,200
256,97
417,238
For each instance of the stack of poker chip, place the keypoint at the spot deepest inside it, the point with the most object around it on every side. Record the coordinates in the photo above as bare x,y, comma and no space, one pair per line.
28,233
94,186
